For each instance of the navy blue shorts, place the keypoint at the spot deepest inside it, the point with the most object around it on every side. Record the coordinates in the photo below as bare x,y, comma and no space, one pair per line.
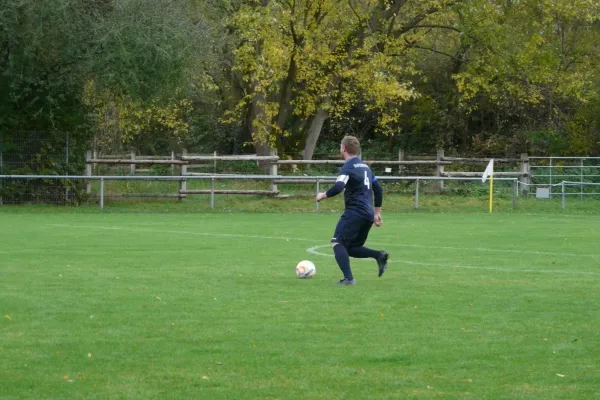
352,230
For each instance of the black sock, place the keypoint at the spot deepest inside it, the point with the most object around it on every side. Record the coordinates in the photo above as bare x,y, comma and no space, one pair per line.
363,252
343,260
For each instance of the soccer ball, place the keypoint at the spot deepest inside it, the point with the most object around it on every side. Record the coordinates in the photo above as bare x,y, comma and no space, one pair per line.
305,269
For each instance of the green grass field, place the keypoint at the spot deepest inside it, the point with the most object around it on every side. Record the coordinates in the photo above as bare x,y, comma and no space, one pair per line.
150,305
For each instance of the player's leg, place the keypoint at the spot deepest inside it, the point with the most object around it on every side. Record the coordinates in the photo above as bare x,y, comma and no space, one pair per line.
358,250
343,260
343,230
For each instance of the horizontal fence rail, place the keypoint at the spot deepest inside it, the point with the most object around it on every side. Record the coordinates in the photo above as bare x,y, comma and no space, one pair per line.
440,165
564,185
546,171
317,180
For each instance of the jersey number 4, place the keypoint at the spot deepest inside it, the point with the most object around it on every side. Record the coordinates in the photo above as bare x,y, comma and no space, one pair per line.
367,181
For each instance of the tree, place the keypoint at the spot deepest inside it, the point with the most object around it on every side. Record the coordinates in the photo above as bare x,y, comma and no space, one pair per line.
135,49
40,64
143,48
313,59
534,63
146,126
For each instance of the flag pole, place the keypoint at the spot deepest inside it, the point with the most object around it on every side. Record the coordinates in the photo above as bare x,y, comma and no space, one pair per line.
489,171
491,190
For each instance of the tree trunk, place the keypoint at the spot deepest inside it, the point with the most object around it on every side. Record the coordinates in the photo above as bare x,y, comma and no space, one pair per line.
261,141
313,133
287,91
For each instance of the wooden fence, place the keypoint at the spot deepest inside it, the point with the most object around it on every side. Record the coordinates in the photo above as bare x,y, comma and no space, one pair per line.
182,163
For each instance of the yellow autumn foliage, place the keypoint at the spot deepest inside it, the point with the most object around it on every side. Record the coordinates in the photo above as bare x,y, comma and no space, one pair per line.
122,121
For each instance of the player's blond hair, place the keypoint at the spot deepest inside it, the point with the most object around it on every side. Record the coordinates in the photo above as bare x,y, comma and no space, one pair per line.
351,144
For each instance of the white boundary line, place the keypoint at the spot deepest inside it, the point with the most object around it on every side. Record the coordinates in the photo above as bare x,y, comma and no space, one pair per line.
491,250
418,246
146,230
314,250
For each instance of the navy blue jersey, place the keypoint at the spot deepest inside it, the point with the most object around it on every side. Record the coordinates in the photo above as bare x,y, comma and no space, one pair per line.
358,180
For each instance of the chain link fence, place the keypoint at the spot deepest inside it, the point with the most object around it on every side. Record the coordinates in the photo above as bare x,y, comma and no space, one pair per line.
40,153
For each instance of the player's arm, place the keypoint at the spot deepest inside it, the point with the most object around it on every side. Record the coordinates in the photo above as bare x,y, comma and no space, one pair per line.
378,200
337,188
378,194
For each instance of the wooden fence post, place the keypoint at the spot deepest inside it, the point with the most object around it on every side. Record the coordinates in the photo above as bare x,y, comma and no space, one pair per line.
88,171
439,170
525,172
95,166
400,158
273,170
132,167
183,182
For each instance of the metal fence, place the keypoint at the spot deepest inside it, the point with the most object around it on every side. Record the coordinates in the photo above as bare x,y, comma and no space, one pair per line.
80,182
550,172
566,189
38,152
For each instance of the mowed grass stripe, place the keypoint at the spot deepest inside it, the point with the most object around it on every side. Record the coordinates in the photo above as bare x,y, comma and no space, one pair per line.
434,253
378,242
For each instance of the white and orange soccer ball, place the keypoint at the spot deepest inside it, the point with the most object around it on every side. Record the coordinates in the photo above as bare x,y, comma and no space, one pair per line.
305,269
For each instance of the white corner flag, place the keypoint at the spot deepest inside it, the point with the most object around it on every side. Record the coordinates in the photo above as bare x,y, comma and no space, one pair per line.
489,171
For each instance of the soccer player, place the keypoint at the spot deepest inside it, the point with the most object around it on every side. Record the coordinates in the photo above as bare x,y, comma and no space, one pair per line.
359,215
